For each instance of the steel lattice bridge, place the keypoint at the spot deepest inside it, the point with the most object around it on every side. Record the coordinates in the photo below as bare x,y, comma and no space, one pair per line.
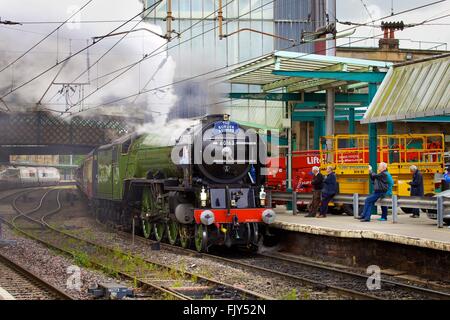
43,133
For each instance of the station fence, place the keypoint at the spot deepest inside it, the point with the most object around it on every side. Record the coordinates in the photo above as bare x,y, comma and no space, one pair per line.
438,203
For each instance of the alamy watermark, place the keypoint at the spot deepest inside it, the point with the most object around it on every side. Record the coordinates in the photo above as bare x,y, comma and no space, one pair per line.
227,146
374,280
74,280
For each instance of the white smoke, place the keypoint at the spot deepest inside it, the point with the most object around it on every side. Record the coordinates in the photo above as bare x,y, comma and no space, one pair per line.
160,133
15,39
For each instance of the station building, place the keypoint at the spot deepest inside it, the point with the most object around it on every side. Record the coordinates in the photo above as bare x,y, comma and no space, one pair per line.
279,20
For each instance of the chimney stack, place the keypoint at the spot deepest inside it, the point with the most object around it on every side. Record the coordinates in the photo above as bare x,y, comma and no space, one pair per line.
388,42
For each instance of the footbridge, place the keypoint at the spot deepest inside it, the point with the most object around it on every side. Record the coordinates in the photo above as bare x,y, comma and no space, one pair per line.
41,132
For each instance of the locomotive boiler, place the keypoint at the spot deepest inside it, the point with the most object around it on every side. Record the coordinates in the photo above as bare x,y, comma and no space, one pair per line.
205,187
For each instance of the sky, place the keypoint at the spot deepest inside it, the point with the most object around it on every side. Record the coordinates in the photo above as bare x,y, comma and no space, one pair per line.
354,11
72,37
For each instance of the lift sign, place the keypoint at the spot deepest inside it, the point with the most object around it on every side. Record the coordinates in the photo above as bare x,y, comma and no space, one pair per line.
225,127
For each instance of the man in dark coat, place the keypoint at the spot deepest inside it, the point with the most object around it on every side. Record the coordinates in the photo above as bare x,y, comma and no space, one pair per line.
416,188
317,184
329,190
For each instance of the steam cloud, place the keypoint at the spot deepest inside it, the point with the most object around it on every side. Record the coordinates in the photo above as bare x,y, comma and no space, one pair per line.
15,39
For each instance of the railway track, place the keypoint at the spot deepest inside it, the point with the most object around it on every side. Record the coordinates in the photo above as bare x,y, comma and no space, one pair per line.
159,280
22,284
351,285
318,275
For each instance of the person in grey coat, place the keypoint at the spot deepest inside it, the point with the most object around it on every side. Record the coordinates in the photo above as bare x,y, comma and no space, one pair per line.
416,188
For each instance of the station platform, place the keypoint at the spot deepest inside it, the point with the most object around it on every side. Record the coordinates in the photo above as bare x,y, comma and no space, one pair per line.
5,295
419,232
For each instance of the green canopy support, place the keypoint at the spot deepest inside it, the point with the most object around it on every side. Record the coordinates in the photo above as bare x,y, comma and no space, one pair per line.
319,131
390,130
351,125
351,121
372,135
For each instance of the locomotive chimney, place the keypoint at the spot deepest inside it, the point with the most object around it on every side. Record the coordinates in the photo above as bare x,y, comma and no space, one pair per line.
215,117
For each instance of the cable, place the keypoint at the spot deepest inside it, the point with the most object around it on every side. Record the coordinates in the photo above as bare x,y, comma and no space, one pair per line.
395,14
216,70
367,10
424,22
71,56
117,42
207,72
48,35
153,53
351,28
369,14
252,59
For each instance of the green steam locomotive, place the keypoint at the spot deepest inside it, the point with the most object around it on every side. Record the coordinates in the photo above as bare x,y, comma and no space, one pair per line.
206,186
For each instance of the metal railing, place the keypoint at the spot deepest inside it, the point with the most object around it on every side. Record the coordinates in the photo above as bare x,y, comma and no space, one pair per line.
439,203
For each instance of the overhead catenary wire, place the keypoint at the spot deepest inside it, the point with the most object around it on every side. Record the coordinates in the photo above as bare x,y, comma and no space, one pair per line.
195,77
46,37
215,71
103,55
389,16
117,42
408,25
71,56
368,13
348,29
155,53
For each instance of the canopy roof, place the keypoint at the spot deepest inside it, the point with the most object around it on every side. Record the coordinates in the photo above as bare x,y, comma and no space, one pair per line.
262,71
413,90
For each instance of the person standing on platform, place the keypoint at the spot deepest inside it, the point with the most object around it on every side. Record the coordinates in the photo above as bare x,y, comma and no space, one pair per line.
380,187
329,190
416,188
317,184
384,209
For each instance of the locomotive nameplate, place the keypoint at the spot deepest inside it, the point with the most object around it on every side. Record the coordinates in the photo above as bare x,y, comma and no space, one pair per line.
221,127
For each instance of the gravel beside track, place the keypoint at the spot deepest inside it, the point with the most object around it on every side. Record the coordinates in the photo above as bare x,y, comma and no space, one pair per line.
75,221
44,262
270,276
168,282
22,284
242,263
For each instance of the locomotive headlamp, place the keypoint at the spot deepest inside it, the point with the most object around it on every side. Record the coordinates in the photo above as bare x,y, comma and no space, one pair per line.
262,196
207,217
268,216
203,197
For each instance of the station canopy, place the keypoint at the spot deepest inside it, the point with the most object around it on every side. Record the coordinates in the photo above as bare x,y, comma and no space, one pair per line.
413,90
293,72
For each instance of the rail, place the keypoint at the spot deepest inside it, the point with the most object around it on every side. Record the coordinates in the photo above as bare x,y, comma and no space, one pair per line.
438,203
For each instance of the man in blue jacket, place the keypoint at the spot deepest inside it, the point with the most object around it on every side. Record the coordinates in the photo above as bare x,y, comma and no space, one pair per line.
328,192
447,175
